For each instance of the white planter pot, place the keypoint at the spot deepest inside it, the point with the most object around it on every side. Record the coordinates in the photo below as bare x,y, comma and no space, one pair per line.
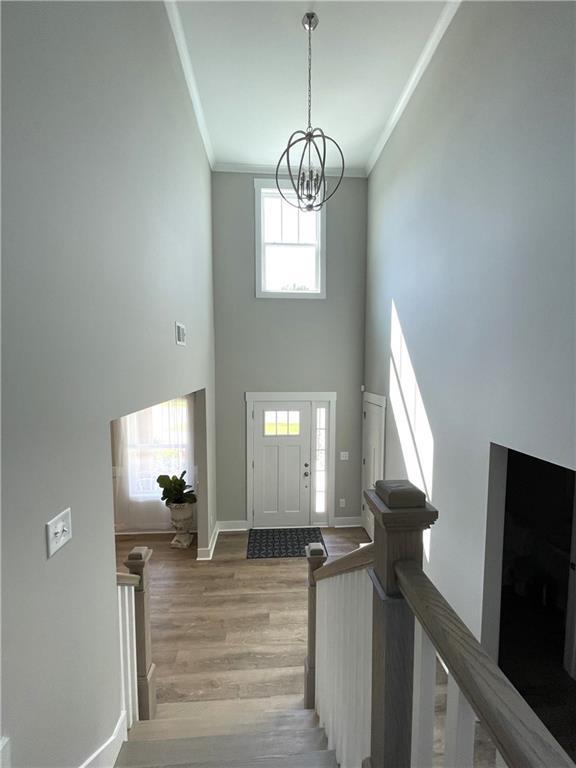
182,516
183,519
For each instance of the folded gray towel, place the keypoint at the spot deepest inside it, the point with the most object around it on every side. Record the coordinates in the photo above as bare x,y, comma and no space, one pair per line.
399,493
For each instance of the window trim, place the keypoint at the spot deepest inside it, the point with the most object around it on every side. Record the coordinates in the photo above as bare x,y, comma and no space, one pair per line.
259,185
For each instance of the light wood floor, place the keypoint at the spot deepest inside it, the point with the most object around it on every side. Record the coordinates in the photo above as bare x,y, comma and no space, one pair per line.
230,628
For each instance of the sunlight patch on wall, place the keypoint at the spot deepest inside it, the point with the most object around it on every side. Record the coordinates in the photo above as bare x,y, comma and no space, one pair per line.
416,439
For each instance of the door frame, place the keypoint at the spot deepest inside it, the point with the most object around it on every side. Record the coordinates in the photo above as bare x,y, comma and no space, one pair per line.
381,402
315,399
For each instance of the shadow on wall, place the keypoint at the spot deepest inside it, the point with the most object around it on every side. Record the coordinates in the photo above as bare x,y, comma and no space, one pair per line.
412,424
162,439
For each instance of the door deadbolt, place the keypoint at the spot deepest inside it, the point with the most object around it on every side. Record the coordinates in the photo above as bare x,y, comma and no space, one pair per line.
306,474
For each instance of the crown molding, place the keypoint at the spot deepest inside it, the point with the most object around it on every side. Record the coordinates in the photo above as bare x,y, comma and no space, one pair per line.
182,47
270,170
442,24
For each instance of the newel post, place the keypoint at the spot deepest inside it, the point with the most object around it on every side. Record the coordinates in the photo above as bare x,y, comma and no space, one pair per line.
138,563
316,556
398,536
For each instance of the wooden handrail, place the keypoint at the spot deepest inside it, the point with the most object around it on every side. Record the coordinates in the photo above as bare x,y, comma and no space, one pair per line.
354,561
127,579
518,733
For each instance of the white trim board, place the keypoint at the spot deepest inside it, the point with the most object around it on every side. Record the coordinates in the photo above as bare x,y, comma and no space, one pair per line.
349,522
106,754
205,553
227,526
184,55
444,21
270,170
252,397
5,759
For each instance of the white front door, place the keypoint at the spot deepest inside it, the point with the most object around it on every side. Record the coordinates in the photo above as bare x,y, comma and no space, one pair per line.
373,420
282,459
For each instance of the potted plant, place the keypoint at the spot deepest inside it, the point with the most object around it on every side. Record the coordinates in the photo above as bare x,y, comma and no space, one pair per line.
180,498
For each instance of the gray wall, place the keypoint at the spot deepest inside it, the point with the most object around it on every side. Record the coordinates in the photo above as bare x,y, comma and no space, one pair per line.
107,240
471,235
286,344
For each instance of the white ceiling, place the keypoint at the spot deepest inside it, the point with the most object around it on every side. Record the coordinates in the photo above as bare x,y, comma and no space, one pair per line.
248,61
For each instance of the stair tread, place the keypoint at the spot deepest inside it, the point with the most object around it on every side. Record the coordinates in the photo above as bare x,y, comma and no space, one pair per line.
316,759
150,730
225,708
220,748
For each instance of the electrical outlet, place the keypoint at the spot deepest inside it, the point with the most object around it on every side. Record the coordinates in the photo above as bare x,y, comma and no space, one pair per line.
58,532
343,455
342,503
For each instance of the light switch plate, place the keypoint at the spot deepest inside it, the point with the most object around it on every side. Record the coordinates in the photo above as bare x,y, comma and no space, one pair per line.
58,531
342,503
343,455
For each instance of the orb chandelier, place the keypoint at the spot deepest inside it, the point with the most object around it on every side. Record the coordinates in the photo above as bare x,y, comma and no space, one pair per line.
305,155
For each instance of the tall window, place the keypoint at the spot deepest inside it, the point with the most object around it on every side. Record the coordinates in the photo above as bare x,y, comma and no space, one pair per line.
157,443
320,463
290,246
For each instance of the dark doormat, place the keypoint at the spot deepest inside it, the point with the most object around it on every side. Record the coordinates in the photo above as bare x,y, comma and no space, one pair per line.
281,542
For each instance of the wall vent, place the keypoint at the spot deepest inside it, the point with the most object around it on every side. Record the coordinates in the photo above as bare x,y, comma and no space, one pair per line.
180,334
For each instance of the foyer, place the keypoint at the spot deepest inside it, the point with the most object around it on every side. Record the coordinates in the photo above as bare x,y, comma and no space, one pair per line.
148,258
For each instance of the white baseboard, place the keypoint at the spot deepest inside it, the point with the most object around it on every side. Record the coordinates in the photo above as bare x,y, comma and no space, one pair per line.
205,553
348,522
5,761
233,525
105,756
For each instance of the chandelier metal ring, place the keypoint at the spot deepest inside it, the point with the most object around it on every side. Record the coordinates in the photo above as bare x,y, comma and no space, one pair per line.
306,151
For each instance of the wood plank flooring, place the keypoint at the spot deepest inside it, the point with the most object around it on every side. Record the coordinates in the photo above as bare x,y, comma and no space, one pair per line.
229,628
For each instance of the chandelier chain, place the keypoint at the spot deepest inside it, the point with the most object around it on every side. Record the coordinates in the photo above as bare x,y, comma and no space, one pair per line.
310,77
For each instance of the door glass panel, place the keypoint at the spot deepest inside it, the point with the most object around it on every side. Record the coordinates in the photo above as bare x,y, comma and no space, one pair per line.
320,461
281,422
269,423
294,422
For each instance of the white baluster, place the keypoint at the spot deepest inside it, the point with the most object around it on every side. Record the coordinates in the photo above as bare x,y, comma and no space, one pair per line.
460,726
423,700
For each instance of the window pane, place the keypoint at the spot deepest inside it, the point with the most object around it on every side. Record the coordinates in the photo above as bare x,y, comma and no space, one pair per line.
320,481
320,502
289,223
321,418
290,268
269,423
272,219
294,422
157,444
282,422
320,439
320,460
308,227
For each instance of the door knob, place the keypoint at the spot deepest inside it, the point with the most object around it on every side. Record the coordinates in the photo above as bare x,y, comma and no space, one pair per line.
306,474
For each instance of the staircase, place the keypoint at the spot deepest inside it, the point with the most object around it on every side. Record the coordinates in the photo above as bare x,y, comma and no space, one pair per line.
240,734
